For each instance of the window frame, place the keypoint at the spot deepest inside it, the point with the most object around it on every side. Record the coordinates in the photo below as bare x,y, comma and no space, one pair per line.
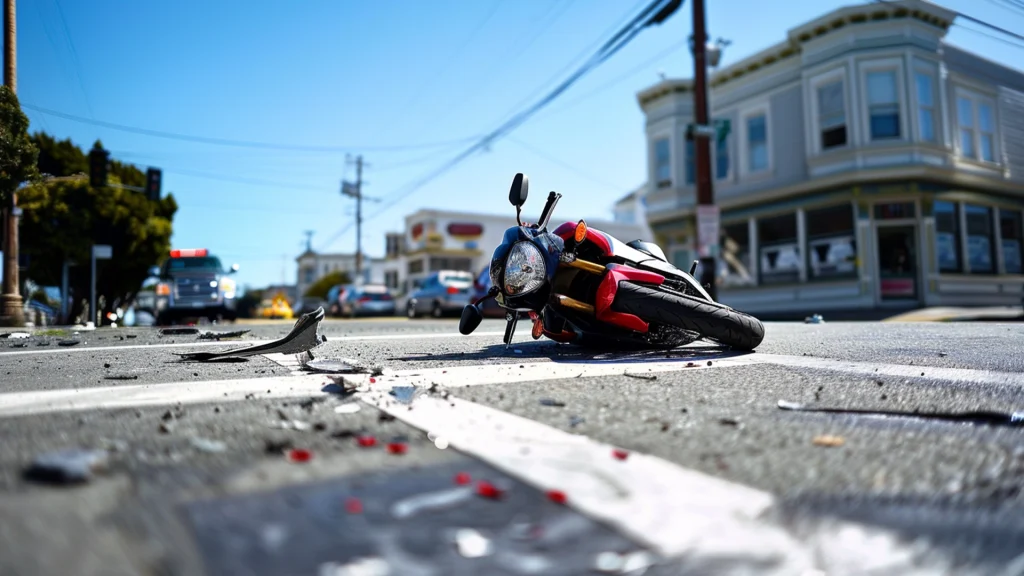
760,109
817,81
811,276
894,65
729,156
936,108
655,139
976,97
689,162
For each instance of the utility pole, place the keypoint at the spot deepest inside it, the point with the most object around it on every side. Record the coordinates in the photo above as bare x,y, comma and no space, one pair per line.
355,190
10,301
707,212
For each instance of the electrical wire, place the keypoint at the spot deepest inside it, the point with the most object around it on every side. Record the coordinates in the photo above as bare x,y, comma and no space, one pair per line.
556,161
239,143
969,18
76,63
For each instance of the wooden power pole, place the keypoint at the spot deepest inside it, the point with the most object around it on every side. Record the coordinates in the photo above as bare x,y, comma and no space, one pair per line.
11,312
707,213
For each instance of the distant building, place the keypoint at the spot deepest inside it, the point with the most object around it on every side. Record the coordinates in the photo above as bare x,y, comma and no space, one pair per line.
289,291
868,164
632,209
314,265
445,240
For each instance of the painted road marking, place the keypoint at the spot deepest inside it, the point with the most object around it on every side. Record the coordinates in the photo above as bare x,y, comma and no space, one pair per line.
239,343
969,375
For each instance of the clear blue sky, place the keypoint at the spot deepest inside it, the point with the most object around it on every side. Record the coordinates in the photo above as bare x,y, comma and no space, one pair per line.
372,74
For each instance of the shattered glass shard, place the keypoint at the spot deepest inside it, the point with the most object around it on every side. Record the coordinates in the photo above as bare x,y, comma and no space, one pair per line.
404,394
67,466
334,366
472,544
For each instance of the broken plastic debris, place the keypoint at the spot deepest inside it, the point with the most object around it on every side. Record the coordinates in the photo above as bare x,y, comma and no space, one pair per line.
974,417
488,490
828,441
332,366
291,425
575,421
463,478
349,408
620,454
430,501
609,562
179,331
552,402
557,496
205,445
305,336
815,319
472,544
67,466
353,505
223,335
366,441
640,376
397,448
299,455
404,394
67,343
16,335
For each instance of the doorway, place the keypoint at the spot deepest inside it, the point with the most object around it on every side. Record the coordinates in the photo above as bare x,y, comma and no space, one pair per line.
897,262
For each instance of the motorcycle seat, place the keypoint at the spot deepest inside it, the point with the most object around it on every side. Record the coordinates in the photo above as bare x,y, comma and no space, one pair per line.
649,248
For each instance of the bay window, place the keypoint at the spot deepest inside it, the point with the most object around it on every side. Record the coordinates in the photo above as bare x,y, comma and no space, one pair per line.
883,105
832,115
757,143
662,163
976,125
925,86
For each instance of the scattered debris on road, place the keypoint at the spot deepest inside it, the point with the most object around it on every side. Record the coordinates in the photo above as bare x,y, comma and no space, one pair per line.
15,335
404,394
331,366
68,466
205,445
69,343
993,418
552,402
223,335
472,544
182,331
640,376
299,455
121,377
349,408
304,336
272,446
575,421
815,319
828,441
620,454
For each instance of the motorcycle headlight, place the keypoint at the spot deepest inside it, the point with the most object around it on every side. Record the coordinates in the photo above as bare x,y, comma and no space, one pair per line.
525,270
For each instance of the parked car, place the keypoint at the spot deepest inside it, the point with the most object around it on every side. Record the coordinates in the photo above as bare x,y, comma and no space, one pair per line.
307,305
481,285
368,300
441,293
335,297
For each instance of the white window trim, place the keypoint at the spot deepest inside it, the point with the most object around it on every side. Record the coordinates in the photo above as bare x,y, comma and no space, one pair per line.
814,121
938,118
762,108
894,65
655,137
977,97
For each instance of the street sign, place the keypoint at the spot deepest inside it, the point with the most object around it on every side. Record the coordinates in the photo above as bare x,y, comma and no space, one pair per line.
723,126
708,218
102,251
720,129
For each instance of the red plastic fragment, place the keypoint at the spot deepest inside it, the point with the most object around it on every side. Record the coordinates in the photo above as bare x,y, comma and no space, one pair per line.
557,496
373,380
462,478
353,506
620,454
299,455
398,447
488,490
366,441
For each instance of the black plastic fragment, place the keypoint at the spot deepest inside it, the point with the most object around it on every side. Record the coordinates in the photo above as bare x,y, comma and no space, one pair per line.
990,417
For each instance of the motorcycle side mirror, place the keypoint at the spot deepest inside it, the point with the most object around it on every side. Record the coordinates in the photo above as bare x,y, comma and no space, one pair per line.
471,318
519,191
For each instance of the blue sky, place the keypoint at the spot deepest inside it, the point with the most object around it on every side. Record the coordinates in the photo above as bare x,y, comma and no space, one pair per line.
372,76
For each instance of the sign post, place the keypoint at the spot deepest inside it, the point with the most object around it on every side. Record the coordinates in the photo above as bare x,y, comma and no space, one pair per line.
99,252
708,224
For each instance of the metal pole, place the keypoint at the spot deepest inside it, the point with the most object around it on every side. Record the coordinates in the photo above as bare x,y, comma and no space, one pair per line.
92,289
702,142
359,216
10,301
64,292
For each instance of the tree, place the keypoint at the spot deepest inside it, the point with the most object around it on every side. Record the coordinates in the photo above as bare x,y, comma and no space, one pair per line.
17,152
319,288
64,217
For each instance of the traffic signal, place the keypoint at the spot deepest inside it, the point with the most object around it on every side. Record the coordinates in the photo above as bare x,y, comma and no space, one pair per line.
98,160
153,183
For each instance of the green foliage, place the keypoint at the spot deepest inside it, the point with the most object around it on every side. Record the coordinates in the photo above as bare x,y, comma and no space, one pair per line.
319,288
64,218
17,153
249,302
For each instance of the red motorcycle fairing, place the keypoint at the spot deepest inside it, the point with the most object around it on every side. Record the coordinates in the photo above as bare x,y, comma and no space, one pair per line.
609,287
598,238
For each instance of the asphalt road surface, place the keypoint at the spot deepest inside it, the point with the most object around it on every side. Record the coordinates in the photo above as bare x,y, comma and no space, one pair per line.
444,454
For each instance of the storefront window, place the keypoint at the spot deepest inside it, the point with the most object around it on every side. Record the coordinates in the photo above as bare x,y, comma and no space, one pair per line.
779,250
831,242
734,265
980,244
1010,226
947,236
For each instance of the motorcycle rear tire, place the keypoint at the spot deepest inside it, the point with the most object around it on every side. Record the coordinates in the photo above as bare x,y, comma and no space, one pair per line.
711,319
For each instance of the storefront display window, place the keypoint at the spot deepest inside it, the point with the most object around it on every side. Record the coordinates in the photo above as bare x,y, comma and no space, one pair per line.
980,244
1010,226
779,249
831,242
734,267
947,236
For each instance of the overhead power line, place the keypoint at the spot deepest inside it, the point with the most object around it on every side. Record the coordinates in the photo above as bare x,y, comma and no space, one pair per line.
655,13
978,21
238,143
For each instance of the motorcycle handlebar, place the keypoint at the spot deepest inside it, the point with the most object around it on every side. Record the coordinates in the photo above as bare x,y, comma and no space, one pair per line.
549,209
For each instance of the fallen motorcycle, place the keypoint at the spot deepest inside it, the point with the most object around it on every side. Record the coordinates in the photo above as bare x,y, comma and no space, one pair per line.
583,286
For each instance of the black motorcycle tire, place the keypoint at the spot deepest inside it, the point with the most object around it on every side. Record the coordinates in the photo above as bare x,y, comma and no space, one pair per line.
712,320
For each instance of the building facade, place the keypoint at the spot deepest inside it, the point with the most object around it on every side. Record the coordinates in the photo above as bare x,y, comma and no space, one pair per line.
313,265
863,163
436,240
